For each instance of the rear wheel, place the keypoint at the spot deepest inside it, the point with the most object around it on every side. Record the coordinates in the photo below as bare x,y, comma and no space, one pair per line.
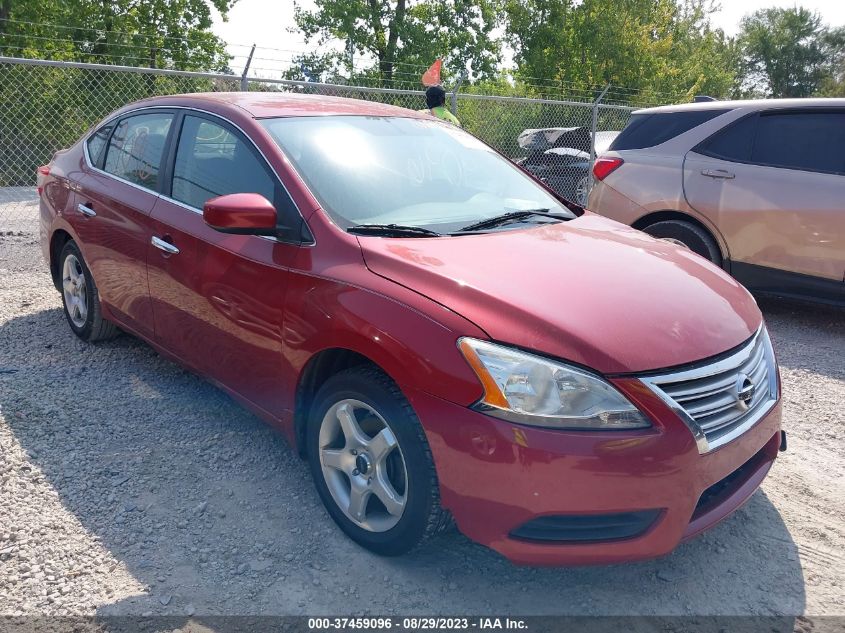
371,462
687,234
80,297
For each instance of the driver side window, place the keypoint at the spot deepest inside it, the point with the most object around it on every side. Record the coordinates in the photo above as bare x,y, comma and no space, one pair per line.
212,160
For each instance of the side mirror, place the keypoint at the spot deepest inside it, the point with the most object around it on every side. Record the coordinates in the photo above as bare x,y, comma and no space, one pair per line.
241,213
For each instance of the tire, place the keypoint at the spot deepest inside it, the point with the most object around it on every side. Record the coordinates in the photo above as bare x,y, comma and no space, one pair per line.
341,454
581,193
695,238
81,299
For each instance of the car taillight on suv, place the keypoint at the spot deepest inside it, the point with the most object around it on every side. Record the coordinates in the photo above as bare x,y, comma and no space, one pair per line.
604,166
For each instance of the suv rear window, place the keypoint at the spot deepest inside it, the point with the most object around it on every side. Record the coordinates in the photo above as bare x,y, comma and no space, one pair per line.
647,130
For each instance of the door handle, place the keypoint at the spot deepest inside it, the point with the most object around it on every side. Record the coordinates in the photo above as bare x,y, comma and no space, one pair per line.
167,247
717,173
86,211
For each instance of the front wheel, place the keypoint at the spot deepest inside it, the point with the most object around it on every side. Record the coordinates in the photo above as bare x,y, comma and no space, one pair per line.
687,234
371,462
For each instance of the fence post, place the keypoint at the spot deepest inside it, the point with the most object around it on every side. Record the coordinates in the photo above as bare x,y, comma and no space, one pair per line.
244,80
454,97
594,130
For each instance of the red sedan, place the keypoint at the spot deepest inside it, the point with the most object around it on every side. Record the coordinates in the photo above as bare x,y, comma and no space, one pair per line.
439,335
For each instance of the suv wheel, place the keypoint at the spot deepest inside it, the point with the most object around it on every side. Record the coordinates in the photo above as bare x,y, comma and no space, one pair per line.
80,298
689,235
371,462
582,191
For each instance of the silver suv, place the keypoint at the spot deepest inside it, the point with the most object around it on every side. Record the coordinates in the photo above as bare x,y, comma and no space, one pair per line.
757,187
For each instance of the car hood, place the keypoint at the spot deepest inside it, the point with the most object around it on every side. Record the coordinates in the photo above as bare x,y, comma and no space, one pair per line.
590,290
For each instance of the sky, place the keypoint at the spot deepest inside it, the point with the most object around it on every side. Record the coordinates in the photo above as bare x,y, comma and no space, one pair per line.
266,23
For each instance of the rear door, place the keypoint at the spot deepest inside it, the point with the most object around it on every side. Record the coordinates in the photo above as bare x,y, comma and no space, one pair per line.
774,182
112,211
218,299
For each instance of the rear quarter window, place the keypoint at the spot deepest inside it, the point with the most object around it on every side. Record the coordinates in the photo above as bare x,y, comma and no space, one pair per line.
650,129
97,143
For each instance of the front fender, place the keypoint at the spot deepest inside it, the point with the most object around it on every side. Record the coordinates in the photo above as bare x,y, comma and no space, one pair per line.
413,339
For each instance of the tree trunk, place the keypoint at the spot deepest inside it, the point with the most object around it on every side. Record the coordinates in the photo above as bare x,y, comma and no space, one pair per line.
102,49
386,46
395,26
386,72
5,12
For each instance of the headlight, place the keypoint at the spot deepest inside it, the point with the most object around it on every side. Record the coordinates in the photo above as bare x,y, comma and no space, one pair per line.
529,389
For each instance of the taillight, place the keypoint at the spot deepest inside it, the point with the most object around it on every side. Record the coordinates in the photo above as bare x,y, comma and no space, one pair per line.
40,176
604,166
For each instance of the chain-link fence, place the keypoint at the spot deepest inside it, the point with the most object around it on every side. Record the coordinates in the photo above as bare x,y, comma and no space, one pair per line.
47,105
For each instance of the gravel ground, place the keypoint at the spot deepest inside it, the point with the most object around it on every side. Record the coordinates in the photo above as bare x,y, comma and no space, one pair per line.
129,486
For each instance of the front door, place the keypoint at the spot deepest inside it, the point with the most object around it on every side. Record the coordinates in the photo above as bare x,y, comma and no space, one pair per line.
218,299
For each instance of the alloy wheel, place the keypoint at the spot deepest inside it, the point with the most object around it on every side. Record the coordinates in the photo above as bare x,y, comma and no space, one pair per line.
75,291
363,465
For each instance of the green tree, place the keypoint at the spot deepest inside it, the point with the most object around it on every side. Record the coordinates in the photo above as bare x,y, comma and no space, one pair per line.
154,33
655,48
47,108
834,84
542,35
317,66
700,59
785,52
402,36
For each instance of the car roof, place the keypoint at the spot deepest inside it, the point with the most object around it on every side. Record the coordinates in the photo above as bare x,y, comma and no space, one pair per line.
760,104
287,104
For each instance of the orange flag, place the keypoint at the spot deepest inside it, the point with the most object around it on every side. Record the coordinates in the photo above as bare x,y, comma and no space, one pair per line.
431,77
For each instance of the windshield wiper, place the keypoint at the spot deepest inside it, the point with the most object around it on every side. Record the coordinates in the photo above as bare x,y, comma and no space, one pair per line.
507,218
392,230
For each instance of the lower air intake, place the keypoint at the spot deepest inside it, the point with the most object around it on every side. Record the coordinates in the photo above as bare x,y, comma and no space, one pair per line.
580,528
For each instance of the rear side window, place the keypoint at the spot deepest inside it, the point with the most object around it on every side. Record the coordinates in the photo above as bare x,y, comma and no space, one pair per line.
135,150
647,130
212,161
733,143
811,141
97,143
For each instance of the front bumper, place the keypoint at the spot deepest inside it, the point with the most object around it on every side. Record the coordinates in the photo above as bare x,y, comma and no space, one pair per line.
496,476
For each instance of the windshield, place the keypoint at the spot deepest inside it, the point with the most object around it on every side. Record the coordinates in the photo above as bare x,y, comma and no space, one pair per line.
404,171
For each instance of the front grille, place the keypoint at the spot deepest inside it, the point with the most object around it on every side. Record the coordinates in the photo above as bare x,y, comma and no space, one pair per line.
722,399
